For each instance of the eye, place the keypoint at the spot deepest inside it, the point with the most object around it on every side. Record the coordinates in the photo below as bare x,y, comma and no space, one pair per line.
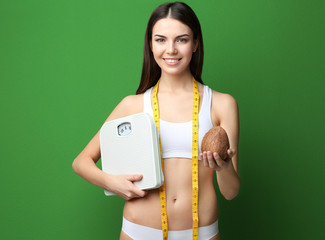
160,40
184,40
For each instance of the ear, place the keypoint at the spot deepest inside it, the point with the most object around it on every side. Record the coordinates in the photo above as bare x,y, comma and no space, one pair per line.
196,45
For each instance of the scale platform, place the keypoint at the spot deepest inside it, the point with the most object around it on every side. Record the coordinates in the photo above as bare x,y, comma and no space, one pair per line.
130,145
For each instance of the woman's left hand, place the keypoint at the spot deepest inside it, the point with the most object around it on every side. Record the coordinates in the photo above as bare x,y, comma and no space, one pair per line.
213,160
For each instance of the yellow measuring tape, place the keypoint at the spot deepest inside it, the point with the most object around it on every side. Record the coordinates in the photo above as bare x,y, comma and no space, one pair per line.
195,177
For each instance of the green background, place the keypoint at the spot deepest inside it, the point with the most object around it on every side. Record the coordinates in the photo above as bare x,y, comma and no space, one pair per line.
64,65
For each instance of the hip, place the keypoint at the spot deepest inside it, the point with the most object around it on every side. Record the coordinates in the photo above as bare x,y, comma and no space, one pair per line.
134,231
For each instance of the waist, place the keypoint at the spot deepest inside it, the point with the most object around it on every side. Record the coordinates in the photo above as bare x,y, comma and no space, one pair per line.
178,180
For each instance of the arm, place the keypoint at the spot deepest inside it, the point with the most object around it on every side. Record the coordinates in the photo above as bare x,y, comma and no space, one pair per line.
224,112
85,163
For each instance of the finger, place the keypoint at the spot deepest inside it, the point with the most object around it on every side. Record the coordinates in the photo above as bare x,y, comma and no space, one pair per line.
134,177
138,192
217,158
205,160
133,191
231,152
212,162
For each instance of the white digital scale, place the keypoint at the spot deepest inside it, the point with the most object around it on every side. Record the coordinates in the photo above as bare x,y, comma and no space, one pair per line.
130,145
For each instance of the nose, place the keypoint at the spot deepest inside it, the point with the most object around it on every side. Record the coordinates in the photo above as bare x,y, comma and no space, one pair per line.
171,48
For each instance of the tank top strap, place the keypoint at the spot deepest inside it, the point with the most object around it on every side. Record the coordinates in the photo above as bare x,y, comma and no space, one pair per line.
147,101
206,102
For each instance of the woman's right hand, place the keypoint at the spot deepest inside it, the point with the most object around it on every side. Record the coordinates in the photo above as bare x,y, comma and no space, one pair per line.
122,185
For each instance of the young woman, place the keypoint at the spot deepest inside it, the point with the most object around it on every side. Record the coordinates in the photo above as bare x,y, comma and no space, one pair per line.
173,54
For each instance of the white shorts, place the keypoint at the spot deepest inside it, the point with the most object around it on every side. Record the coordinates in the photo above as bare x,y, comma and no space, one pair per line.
139,232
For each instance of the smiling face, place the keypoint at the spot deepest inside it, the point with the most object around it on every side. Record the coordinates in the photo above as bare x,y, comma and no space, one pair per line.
172,46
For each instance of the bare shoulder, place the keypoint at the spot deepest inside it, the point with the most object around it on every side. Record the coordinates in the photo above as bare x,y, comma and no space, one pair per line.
223,105
133,103
223,99
129,105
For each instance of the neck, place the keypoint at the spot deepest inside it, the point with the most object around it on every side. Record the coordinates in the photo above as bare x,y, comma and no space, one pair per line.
172,83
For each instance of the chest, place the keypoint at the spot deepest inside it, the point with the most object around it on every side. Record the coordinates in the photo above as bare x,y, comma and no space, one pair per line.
176,108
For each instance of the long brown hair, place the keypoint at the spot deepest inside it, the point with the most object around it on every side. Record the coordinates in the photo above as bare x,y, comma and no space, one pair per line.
180,11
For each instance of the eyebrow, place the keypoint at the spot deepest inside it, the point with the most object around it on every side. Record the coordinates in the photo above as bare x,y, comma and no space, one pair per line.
183,35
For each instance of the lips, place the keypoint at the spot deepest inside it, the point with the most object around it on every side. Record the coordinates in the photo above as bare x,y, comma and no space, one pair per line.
172,61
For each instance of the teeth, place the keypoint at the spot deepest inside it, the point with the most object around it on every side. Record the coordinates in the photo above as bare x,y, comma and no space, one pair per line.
171,60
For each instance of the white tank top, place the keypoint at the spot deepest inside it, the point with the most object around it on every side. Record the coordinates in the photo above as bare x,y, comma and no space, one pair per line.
176,138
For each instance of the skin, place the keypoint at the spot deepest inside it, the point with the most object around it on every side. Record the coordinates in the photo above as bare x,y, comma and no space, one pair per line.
175,96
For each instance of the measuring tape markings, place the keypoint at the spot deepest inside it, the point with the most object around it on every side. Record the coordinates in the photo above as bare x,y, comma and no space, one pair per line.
162,190
195,179
195,144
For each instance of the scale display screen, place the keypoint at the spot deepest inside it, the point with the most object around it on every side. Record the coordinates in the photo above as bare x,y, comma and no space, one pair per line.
124,129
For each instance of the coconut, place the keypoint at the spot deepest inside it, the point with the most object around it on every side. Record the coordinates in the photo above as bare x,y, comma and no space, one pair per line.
216,140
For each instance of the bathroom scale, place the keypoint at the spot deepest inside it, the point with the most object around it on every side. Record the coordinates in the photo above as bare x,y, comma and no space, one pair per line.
130,145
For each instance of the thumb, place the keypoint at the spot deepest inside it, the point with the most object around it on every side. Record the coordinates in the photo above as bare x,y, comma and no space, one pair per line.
134,177
231,152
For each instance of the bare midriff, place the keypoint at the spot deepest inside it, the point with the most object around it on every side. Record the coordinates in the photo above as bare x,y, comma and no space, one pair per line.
178,179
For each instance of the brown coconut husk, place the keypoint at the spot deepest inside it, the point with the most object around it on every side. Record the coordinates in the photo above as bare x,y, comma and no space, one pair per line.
216,140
